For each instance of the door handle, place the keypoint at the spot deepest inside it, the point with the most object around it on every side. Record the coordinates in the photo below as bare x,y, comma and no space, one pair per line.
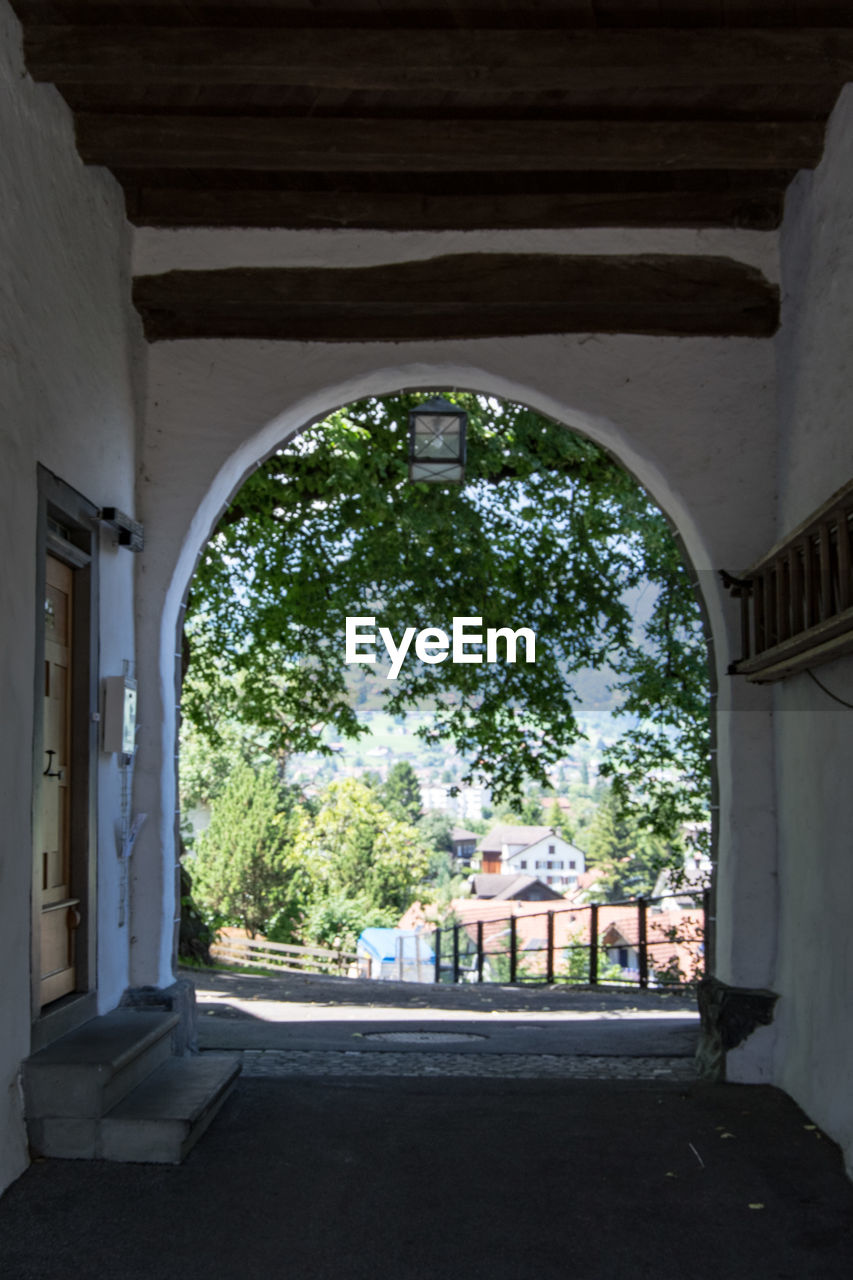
49,771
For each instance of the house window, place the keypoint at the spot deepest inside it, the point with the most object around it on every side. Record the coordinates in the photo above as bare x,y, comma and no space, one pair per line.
572,866
550,879
552,848
523,866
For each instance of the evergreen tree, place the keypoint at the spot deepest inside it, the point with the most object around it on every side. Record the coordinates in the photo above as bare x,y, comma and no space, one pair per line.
556,818
629,856
401,792
245,869
436,830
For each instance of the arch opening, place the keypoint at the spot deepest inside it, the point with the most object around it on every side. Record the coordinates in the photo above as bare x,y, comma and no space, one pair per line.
371,444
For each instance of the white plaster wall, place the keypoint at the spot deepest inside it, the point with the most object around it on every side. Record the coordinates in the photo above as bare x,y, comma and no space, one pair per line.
67,401
814,735
693,419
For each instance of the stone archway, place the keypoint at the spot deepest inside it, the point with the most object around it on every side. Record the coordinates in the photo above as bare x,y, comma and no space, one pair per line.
211,423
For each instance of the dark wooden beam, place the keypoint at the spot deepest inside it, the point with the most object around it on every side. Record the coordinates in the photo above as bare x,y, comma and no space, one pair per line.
464,296
455,14
364,145
753,206
389,60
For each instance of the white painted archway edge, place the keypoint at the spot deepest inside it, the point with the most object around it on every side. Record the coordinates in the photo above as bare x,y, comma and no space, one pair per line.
692,419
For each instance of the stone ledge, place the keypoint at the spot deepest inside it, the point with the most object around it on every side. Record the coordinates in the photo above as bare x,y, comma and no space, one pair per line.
729,1016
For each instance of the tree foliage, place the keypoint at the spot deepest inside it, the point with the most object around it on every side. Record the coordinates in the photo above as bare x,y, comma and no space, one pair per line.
401,792
244,869
548,532
629,856
356,849
576,962
271,865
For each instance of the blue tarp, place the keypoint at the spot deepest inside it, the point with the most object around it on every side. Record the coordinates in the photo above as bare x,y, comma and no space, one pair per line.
382,944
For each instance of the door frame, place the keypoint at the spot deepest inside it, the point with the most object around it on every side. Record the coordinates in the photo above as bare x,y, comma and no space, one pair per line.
68,529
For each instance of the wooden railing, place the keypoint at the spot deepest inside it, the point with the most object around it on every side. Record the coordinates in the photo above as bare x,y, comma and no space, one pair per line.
797,601
279,956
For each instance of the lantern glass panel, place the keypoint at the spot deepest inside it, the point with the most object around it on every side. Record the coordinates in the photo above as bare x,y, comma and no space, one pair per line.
436,435
437,472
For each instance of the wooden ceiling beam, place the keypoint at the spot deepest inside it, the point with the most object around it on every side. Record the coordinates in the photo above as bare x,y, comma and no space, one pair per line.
464,296
550,60
456,14
513,61
752,207
363,145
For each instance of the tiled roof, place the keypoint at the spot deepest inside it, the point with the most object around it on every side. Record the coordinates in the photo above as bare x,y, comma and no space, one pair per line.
491,885
495,840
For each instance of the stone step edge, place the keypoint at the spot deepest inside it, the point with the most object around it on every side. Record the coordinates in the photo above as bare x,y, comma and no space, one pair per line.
58,1084
162,1119
152,1025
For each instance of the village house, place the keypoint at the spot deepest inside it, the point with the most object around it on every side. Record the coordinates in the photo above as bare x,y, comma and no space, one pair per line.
539,851
464,846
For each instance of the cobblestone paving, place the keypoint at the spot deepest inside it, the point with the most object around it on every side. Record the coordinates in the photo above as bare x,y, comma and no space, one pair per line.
516,1066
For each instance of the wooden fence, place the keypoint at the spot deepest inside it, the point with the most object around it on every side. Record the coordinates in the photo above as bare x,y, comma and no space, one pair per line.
278,956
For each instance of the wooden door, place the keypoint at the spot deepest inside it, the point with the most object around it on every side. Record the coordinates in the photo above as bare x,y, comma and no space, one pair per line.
59,915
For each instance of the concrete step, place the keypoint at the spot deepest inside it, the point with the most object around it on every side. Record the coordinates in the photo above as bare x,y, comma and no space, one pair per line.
166,1115
85,1073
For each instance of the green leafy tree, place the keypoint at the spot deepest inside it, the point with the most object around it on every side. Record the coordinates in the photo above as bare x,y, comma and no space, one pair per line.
195,934
335,919
355,849
555,817
629,856
548,533
245,870
436,830
210,754
401,792
525,811
576,962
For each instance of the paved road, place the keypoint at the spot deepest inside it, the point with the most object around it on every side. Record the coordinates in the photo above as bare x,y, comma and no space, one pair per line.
284,1017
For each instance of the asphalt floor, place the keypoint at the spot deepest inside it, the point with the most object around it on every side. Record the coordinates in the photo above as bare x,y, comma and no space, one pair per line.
439,1178
309,1013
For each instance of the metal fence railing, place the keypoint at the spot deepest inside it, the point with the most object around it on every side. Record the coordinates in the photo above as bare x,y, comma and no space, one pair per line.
640,942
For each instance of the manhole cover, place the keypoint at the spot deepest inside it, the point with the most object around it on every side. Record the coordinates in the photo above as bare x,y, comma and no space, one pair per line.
424,1037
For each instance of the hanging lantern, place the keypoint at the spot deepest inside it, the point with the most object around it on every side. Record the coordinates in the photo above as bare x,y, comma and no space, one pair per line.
437,442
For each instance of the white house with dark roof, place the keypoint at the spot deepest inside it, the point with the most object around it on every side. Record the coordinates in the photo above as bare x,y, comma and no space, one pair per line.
531,850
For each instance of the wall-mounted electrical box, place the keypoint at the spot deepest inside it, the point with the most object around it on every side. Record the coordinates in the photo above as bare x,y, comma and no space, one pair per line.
119,715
